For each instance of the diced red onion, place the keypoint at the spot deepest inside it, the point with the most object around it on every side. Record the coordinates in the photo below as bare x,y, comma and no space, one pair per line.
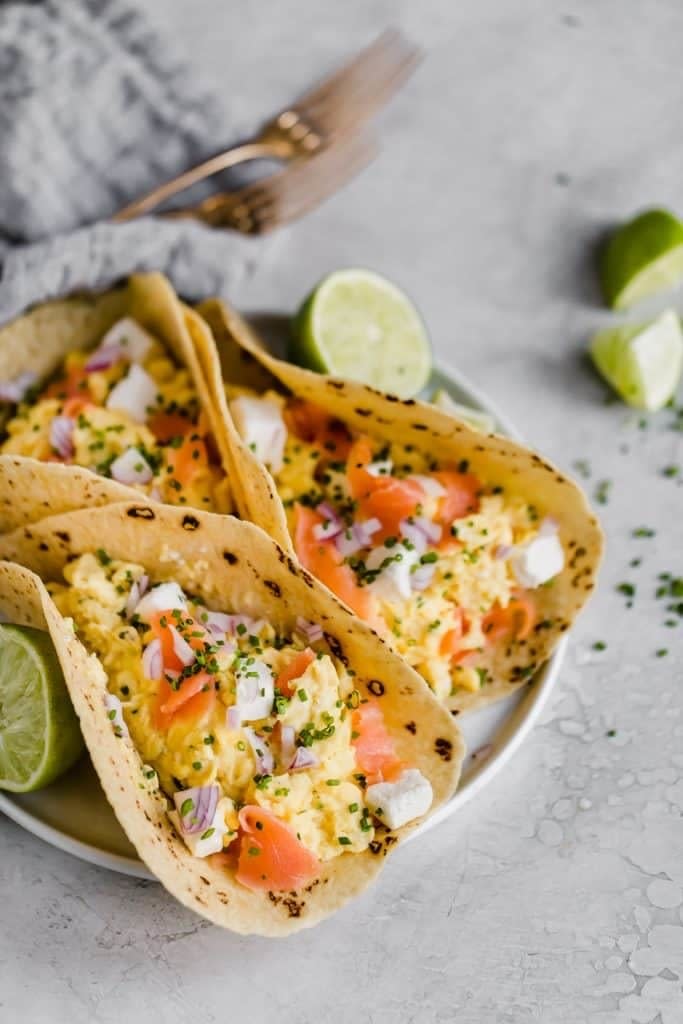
14,390
217,623
303,759
234,717
199,816
548,527
311,631
415,535
61,435
357,536
262,752
104,357
422,577
421,532
138,589
431,530
381,467
429,484
287,743
252,626
131,468
181,648
503,551
332,525
152,660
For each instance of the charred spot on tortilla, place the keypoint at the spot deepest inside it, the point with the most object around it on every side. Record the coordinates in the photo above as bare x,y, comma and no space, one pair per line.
338,384
444,748
190,523
363,412
336,648
420,426
140,512
411,727
375,846
376,687
43,546
230,558
63,536
273,587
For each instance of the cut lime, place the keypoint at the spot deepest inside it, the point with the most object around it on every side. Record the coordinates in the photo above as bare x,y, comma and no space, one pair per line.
39,734
642,362
642,258
357,324
475,418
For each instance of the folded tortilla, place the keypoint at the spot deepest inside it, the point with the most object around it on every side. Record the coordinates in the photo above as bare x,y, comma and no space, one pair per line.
37,343
224,562
231,353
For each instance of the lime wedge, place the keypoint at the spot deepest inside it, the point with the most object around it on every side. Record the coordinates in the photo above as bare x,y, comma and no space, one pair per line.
475,418
357,324
642,258
643,362
39,734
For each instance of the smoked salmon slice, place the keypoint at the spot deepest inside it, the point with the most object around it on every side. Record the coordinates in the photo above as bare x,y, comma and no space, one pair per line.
375,753
461,497
322,559
271,857
294,670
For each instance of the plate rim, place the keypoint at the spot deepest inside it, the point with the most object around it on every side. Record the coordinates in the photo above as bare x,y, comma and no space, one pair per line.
528,710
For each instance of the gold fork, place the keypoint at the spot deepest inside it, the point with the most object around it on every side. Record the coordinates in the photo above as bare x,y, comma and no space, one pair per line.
286,195
344,100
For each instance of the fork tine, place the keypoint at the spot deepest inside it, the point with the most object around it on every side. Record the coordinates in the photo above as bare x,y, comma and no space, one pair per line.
290,193
364,101
351,95
329,85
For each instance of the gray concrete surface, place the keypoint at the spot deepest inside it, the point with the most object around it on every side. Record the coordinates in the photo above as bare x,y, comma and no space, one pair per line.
555,897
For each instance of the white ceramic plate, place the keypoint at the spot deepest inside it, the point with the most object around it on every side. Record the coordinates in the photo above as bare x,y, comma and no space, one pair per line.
73,814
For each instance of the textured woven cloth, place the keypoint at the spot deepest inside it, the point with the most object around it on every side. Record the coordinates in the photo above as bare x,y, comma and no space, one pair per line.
96,108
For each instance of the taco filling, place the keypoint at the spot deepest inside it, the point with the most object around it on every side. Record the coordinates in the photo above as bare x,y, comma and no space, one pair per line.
270,756
442,563
127,412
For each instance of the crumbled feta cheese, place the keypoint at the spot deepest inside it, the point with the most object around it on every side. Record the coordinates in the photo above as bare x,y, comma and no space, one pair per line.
538,561
130,337
255,691
262,428
115,715
163,598
134,394
394,581
396,803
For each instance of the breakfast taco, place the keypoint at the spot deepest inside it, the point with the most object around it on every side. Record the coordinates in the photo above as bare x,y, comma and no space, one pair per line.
468,553
100,401
262,748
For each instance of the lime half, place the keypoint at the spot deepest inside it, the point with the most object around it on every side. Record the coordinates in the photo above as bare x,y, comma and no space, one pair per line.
476,418
39,734
357,324
642,258
642,363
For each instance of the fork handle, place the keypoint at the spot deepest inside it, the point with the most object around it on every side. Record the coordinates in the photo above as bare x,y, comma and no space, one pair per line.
229,158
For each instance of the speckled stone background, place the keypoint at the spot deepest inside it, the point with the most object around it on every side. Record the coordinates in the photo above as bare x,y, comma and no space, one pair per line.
556,896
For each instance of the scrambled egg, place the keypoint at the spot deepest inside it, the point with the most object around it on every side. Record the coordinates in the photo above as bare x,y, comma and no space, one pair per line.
100,435
321,804
470,578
